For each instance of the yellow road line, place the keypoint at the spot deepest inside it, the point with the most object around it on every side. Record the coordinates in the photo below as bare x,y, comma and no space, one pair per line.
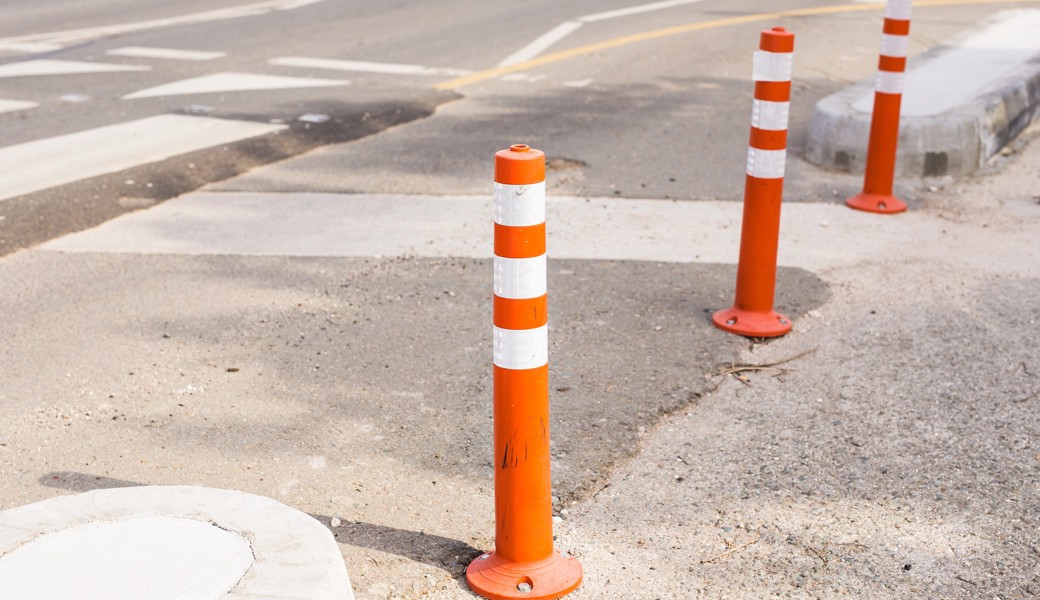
458,82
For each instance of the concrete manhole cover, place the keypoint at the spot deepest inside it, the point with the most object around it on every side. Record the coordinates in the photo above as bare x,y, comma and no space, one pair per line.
155,557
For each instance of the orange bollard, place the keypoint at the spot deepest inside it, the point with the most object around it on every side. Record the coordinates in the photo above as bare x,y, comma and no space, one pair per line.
524,563
752,313
877,193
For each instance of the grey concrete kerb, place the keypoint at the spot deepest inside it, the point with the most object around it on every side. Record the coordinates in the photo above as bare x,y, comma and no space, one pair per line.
167,543
955,141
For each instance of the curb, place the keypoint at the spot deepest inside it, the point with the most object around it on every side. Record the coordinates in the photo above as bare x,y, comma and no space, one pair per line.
955,142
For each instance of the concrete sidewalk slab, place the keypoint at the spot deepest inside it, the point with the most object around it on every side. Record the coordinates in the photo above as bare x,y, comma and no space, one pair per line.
964,100
167,543
813,236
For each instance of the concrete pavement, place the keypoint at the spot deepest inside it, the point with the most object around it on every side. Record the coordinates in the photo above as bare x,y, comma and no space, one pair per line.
892,428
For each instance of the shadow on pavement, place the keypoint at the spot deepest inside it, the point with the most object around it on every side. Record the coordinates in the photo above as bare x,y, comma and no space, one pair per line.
438,552
82,482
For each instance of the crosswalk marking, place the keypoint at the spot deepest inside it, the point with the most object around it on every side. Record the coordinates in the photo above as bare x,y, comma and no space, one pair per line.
365,67
231,82
50,162
29,68
12,105
165,53
56,40
30,47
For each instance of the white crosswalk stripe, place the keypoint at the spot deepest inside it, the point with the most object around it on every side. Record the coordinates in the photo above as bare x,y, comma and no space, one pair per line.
231,82
165,53
56,40
33,68
365,67
13,105
50,162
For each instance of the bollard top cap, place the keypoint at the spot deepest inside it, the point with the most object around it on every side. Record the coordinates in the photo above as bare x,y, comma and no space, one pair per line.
777,39
519,165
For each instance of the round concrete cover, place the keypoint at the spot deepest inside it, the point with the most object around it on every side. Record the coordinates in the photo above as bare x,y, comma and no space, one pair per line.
161,558
167,543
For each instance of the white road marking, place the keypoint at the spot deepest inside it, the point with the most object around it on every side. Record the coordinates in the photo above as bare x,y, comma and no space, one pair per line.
30,47
31,68
541,43
635,10
566,28
364,67
974,62
364,225
579,83
527,77
12,105
50,162
294,4
165,53
58,39
231,82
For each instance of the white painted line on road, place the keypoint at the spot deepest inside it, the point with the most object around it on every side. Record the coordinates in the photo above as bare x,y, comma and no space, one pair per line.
635,10
539,45
231,82
566,28
32,68
526,77
813,236
13,105
579,83
58,39
364,67
974,62
42,164
294,4
165,53
30,47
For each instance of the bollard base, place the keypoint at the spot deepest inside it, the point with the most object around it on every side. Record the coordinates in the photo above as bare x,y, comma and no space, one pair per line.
497,579
876,203
751,324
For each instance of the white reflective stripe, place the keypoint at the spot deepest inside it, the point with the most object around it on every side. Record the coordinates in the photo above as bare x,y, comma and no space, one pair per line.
766,164
770,115
519,205
894,45
522,348
890,82
772,66
520,278
898,9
